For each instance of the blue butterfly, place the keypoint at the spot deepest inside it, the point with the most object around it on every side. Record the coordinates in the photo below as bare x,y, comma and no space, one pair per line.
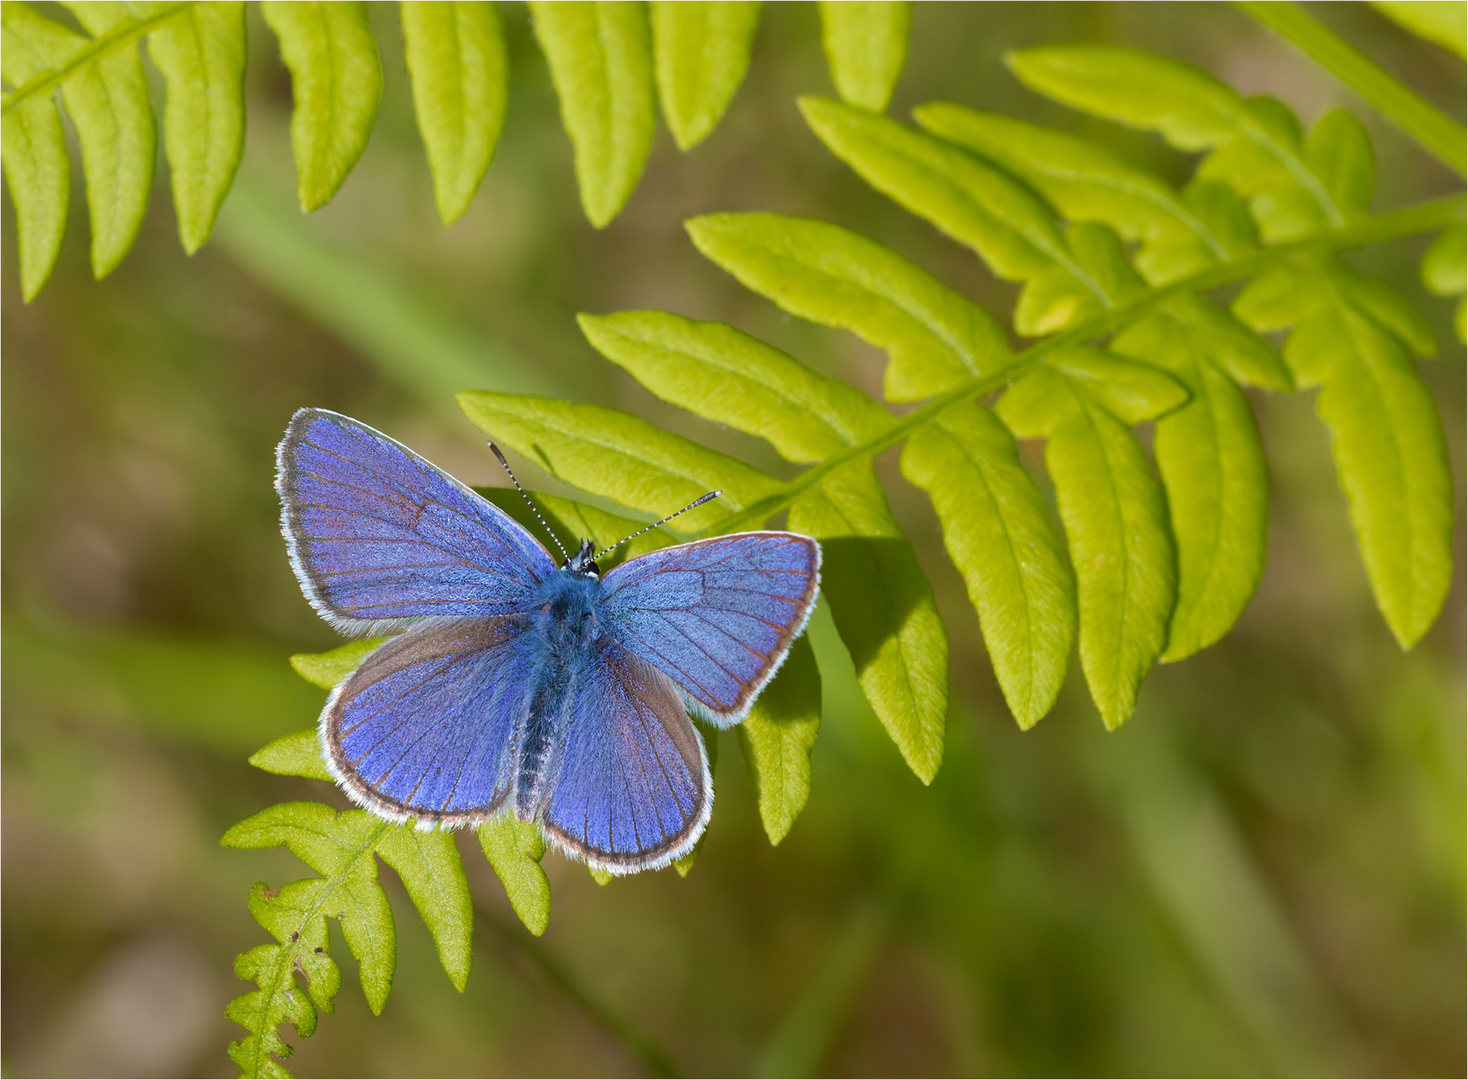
516,686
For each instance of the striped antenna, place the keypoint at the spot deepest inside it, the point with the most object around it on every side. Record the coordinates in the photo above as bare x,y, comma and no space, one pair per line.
695,503
530,504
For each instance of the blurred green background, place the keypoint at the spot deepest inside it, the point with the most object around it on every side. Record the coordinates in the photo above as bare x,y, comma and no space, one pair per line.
1261,873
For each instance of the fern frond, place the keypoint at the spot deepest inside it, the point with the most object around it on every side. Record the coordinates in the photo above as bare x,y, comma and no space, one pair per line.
1156,564
607,60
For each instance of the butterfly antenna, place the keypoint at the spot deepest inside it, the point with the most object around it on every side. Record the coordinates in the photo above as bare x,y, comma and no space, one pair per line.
530,504
694,504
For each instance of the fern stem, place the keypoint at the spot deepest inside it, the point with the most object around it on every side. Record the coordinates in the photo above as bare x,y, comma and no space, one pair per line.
1435,131
1429,216
646,1052
119,37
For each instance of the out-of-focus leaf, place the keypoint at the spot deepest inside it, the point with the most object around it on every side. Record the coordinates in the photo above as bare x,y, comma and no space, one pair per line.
1258,147
935,339
601,63
329,668
1339,152
884,609
866,44
428,862
727,376
32,146
201,54
1443,273
616,455
297,754
514,849
702,52
998,535
1082,403
1212,466
776,738
108,103
1191,108
1445,24
1086,182
1386,436
456,60
336,80
1011,229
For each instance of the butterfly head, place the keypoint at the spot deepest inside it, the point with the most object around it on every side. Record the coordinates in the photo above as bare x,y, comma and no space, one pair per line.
583,563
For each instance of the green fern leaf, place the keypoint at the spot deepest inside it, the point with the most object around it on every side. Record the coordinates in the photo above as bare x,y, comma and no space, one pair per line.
1443,272
935,339
201,55
336,79
514,849
884,610
428,862
999,537
1191,108
297,754
601,63
328,669
702,49
618,456
33,147
1258,143
777,736
460,74
1444,24
866,45
1012,230
1387,438
1211,461
107,101
1088,183
731,378
1082,403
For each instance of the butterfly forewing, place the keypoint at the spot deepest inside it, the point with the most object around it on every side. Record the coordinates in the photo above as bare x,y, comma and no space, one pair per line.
632,789
377,533
716,616
425,727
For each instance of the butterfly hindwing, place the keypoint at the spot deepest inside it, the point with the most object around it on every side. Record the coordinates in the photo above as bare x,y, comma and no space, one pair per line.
716,616
631,788
377,533
425,727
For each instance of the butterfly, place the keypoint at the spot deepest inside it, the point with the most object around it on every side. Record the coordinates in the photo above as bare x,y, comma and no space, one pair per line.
512,684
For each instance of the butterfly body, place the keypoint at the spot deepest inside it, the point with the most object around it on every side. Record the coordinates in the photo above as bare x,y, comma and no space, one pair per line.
516,686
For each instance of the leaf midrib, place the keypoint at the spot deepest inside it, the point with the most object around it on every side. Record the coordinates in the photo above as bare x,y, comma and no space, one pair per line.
1427,216
96,50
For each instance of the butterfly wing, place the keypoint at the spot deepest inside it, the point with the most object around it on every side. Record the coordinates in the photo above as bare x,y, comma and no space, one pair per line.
425,726
716,616
630,785
376,533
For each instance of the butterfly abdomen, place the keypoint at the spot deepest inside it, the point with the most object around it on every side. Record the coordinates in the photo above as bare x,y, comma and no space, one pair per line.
566,624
